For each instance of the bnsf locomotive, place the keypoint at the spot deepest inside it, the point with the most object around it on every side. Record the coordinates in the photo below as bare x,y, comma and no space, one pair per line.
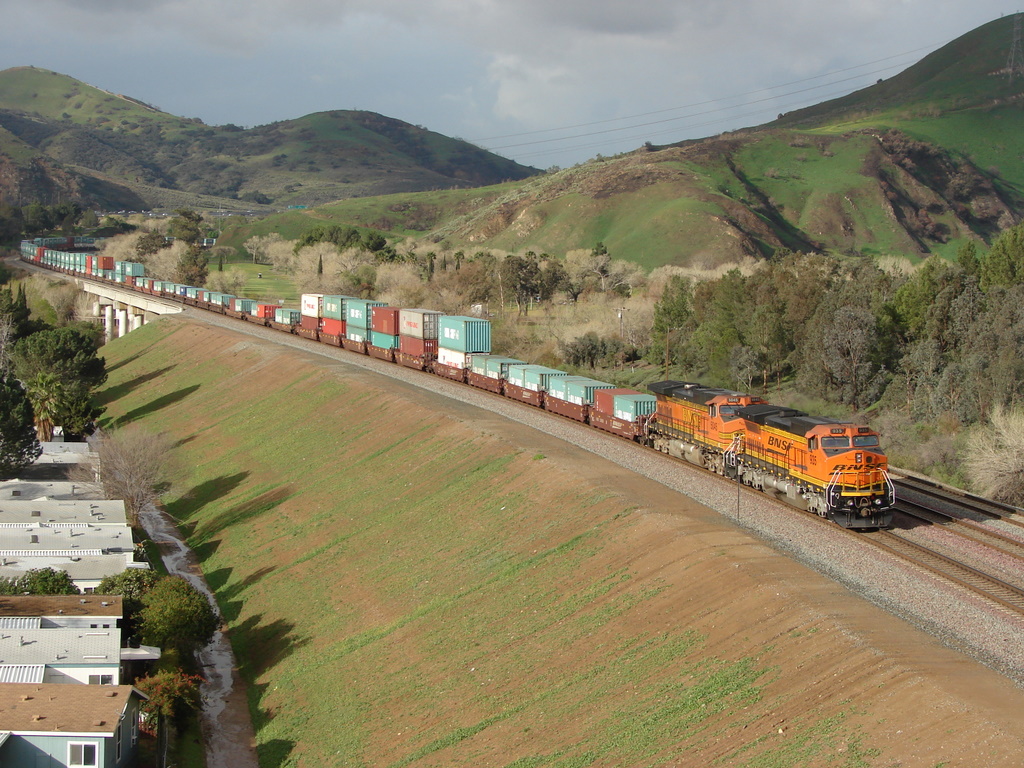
834,469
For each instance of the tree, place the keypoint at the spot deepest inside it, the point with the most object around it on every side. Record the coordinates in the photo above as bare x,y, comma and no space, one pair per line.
41,581
132,584
46,393
1004,263
64,368
19,445
172,695
177,615
672,313
192,267
995,457
14,307
186,226
134,465
521,275
149,243
258,246
231,281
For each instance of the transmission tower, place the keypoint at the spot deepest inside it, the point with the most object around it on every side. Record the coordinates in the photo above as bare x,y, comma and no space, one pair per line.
1015,62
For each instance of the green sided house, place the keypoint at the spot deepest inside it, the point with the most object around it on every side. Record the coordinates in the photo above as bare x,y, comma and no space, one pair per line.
53,725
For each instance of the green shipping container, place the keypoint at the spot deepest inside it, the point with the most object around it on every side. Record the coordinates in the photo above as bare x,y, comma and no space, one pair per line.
496,367
286,316
537,377
558,387
357,312
383,340
464,334
334,306
631,407
582,392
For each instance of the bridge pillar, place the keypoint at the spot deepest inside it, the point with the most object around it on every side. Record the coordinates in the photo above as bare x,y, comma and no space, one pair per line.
138,319
108,320
122,322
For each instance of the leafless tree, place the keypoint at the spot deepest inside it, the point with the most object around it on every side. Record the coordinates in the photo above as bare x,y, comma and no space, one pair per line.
131,464
995,456
6,338
258,246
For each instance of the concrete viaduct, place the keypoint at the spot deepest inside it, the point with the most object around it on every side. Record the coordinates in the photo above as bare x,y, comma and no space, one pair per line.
119,309
123,310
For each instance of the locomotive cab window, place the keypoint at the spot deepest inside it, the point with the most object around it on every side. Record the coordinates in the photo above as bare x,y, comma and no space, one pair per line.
834,445
727,412
835,442
812,444
865,441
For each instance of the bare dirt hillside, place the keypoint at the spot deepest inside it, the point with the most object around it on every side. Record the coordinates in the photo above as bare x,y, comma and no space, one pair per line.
413,581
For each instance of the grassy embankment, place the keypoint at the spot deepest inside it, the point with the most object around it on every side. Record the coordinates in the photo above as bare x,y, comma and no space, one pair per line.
403,590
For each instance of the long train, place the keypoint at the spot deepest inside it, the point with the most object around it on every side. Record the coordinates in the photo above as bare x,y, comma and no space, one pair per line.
833,469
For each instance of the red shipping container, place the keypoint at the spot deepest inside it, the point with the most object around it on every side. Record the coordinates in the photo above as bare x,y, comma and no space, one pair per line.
384,320
40,252
331,326
88,263
129,280
309,323
265,310
604,399
106,262
417,347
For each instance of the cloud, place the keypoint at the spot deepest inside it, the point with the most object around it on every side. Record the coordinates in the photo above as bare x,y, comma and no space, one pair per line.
474,67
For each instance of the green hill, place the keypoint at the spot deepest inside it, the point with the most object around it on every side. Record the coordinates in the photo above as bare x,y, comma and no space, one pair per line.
158,157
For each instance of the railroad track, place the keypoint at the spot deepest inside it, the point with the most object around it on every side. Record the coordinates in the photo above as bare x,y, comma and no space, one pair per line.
969,504
989,587
969,529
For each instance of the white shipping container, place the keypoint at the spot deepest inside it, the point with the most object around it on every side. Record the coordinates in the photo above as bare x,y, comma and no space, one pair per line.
453,358
312,304
418,323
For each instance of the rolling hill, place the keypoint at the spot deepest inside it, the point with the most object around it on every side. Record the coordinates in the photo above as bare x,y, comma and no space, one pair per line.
915,165
115,151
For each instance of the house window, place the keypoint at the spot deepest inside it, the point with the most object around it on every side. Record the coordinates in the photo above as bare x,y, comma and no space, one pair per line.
101,679
83,754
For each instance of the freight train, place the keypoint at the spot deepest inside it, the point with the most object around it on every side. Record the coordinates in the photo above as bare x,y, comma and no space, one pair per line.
834,469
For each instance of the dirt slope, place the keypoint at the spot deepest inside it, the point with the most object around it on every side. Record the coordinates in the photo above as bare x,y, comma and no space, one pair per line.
411,581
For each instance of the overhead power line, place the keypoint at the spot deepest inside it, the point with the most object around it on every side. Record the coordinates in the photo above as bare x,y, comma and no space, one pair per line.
723,109
704,103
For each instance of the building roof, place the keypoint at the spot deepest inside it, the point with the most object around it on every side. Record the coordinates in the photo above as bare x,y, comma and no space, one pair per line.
61,647
61,537
37,489
61,605
80,567
65,453
66,709
95,512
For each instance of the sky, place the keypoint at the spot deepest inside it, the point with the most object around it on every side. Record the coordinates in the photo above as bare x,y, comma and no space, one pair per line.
544,82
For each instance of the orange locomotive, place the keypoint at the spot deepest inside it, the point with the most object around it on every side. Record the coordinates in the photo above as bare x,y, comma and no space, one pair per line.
834,469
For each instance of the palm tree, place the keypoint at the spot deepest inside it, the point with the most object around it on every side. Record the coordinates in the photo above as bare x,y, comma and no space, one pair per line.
46,393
